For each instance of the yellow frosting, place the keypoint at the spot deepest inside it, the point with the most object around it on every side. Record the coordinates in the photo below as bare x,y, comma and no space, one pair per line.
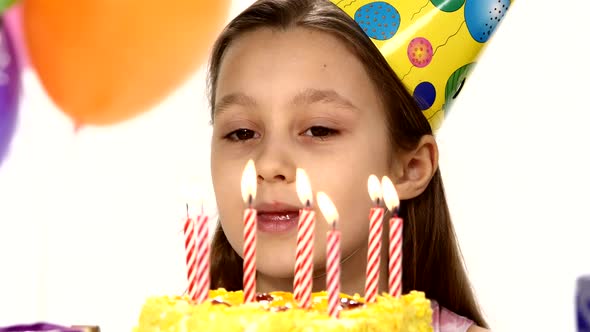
411,313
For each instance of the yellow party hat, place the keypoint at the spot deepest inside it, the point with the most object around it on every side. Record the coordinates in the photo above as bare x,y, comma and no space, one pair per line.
432,45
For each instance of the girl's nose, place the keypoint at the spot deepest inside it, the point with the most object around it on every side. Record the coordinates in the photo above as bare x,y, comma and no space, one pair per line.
275,163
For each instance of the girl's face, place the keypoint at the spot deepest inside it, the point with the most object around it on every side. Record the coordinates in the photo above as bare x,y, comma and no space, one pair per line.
289,99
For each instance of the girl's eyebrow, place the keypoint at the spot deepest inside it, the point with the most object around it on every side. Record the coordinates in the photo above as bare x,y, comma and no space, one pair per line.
312,96
306,97
231,99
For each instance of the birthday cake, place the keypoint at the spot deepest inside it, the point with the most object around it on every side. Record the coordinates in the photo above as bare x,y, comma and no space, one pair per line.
277,311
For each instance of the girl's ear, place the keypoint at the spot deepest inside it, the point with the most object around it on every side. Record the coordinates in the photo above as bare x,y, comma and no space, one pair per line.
414,169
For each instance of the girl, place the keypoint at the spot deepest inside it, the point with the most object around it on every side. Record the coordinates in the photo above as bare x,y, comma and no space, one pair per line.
297,83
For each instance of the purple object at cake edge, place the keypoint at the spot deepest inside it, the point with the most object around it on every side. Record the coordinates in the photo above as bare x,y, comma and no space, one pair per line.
583,303
45,327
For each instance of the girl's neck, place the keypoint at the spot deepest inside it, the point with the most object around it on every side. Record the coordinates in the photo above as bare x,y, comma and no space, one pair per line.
352,275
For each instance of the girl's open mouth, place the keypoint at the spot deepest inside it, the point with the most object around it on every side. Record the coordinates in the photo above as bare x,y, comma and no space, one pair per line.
277,218
277,222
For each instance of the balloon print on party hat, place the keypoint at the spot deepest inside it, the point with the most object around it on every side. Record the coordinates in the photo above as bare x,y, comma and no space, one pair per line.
432,45
9,91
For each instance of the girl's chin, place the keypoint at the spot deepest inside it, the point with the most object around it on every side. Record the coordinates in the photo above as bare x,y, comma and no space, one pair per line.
275,267
275,275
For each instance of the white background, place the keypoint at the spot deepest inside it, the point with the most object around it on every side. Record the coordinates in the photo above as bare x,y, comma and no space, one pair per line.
90,223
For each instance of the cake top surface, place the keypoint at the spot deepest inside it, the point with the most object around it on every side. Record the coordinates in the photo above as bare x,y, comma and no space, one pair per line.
278,311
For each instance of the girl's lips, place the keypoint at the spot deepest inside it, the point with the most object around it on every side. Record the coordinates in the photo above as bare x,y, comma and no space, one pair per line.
277,221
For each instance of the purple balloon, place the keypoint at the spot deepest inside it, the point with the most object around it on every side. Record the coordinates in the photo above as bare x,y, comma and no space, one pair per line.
9,90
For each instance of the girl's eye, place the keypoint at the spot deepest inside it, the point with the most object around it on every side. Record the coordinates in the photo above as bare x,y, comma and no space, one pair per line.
241,135
319,131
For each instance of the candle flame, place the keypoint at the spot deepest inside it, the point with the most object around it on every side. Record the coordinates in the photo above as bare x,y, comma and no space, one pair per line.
249,182
327,207
375,188
389,194
303,187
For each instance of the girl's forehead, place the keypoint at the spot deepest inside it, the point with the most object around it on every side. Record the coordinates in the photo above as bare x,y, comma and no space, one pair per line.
286,62
294,47
277,40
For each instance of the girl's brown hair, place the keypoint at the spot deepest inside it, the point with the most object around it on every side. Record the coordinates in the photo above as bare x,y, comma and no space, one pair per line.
432,260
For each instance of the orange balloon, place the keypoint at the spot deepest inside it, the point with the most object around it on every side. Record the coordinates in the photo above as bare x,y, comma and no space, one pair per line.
104,61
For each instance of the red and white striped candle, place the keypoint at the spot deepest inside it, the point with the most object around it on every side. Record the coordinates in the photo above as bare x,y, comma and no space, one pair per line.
395,254
395,238
248,194
203,279
332,254
375,233
303,282
191,254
